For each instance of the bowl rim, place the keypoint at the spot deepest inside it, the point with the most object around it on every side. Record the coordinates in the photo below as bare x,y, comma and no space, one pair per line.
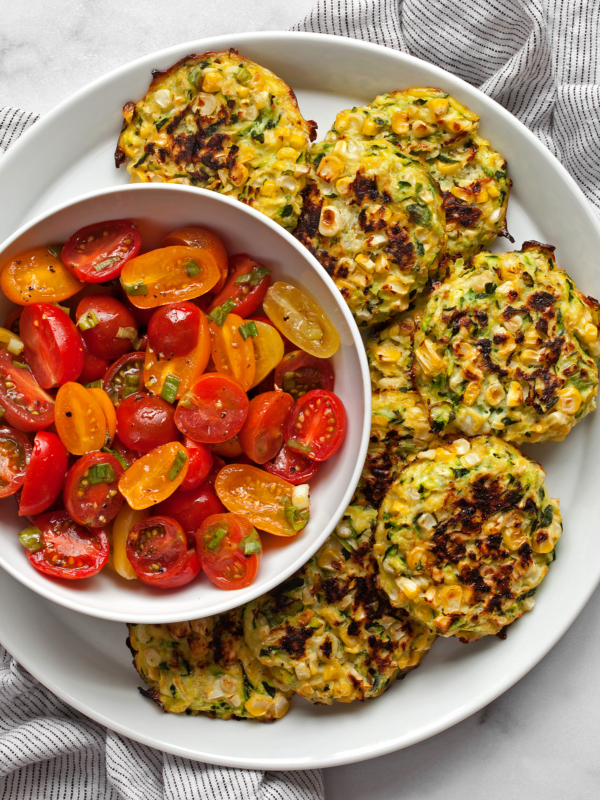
46,588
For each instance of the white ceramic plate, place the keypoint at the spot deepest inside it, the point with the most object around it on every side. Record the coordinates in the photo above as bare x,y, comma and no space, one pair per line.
157,210
84,660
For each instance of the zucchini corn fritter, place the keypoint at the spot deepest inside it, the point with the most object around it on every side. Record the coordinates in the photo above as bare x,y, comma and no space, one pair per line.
205,667
373,217
329,633
224,123
465,535
508,345
432,125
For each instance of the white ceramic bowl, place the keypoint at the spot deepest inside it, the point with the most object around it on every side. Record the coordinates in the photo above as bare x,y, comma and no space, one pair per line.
158,209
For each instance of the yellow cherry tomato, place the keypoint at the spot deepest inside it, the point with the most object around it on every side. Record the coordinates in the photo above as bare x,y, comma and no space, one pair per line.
79,419
268,350
168,275
232,354
37,277
179,372
155,476
264,500
302,320
122,524
109,411
231,448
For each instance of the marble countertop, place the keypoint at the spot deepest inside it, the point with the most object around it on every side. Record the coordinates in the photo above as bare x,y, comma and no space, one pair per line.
539,739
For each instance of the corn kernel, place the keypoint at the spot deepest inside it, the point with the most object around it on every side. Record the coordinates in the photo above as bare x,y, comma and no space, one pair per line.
212,82
343,185
515,395
333,672
351,643
442,623
531,358
246,153
400,122
243,91
429,361
569,400
370,128
269,189
448,169
542,542
439,106
483,196
493,191
415,555
238,174
513,537
410,588
330,168
421,129
494,394
451,598
288,153
471,393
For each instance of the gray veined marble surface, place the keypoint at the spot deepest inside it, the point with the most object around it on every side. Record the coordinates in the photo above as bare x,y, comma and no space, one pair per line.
541,739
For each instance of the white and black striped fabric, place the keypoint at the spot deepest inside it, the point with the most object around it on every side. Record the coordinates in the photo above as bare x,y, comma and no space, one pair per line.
538,58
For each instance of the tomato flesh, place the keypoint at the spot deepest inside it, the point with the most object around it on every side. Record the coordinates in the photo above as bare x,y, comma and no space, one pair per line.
109,329
317,425
45,474
191,508
292,466
174,329
246,285
37,276
145,422
156,548
230,550
98,252
190,569
125,377
203,239
302,320
214,410
299,372
26,405
263,432
201,461
53,347
91,494
15,457
94,368
69,550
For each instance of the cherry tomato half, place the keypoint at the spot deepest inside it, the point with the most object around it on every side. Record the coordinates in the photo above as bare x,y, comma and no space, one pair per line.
45,474
246,286
214,410
317,425
26,405
302,320
201,461
142,315
189,570
64,549
94,368
90,493
190,509
80,420
109,329
145,422
53,346
155,476
15,455
124,455
263,432
203,239
292,466
110,415
268,350
174,328
231,353
125,377
156,548
98,252
299,372
230,550
37,277
228,449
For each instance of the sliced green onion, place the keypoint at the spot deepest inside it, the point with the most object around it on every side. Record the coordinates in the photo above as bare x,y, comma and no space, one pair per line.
191,267
295,518
94,384
187,402
63,308
101,473
243,76
177,466
128,333
254,277
117,455
55,249
108,262
217,538
219,314
135,289
248,329
299,447
170,388
31,538
20,364
87,321
250,545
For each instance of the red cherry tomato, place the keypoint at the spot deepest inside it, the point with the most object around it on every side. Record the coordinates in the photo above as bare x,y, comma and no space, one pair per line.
299,372
68,550
94,368
26,405
317,425
145,422
174,329
125,377
218,464
293,467
247,293
156,548
91,493
98,252
15,456
53,346
142,315
263,432
45,475
214,409
124,455
11,323
230,550
190,509
109,329
190,569
201,460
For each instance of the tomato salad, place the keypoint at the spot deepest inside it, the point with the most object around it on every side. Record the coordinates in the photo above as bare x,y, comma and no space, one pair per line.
162,409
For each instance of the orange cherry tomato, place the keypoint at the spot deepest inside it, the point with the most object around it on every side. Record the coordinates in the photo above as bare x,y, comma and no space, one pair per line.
264,500
171,377
204,240
268,350
155,476
79,419
232,354
37,276
263,432
229,449
110,413
302,320
169,275
230,550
